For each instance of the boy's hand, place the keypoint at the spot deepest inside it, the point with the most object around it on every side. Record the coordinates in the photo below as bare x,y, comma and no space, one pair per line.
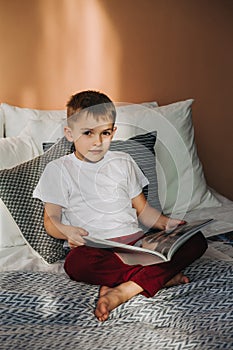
166,223
151,217
74,236
55,228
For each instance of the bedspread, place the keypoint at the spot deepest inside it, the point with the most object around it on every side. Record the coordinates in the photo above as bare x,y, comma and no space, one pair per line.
48,311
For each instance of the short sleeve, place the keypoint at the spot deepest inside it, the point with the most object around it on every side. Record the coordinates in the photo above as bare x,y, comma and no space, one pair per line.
53,186
137,180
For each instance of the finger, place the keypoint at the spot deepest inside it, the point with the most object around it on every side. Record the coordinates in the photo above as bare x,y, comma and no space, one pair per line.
182,222
172,223
83,232
175,222
77,243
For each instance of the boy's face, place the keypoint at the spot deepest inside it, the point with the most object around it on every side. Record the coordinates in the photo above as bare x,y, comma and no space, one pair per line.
91,137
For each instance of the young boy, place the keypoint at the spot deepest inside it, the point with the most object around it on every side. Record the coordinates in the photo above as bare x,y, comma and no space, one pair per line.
99,192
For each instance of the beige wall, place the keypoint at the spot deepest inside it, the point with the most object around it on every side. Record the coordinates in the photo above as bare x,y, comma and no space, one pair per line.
134,50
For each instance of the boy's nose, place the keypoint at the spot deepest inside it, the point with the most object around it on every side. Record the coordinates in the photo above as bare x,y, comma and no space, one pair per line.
98,140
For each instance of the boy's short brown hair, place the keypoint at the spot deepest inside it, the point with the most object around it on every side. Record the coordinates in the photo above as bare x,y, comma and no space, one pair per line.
95,103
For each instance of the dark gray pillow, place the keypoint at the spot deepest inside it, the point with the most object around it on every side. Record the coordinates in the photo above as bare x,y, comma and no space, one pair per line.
141,149
17,185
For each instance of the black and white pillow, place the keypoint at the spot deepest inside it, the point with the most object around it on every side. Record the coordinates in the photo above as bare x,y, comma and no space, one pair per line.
17,185
141,149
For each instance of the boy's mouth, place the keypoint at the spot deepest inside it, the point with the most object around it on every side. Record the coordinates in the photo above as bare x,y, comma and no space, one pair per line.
95,151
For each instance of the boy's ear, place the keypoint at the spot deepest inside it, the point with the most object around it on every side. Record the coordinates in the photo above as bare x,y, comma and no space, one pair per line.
68,134
114,130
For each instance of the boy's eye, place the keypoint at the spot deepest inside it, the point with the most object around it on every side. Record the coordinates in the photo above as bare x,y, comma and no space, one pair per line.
88,132
107,133
104,133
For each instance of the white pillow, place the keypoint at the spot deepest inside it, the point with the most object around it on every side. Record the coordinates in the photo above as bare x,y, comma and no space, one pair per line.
127,115
44,130
47,125
10,234
48,129
182,185
16,150
16,118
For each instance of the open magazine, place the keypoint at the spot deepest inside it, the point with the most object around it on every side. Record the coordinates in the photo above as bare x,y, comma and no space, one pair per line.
153,248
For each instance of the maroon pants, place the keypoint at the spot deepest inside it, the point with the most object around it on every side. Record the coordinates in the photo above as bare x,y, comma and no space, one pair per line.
103,267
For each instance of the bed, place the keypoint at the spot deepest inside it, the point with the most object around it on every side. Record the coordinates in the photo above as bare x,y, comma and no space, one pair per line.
41,308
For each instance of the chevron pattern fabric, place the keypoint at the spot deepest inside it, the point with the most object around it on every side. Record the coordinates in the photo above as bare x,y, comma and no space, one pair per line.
49,311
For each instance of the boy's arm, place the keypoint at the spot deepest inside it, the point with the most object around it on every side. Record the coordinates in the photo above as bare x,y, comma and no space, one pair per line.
150,216
55,228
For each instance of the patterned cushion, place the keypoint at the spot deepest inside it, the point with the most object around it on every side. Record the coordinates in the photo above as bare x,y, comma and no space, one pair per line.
17,185
141,149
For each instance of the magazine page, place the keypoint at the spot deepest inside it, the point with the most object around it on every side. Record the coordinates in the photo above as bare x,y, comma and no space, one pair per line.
142,257
119,247
168,241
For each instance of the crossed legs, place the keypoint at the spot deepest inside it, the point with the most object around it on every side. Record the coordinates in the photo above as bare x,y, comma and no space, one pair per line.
120,282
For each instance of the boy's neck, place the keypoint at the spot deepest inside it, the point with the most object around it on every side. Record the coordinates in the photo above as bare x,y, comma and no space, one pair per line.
86,160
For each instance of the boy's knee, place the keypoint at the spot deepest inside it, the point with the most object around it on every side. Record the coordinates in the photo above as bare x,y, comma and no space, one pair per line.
200,243
195,247
75,264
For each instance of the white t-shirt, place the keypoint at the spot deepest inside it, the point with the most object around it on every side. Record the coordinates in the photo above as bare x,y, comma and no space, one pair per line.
94,196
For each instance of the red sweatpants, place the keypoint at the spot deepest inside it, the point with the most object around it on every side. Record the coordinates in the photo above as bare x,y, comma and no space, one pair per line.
103,267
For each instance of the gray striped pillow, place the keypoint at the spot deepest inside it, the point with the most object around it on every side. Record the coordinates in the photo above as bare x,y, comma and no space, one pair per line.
141,149
17,185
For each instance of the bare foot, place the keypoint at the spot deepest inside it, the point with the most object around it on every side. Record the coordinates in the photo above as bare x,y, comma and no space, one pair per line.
110,298
177,279
103,290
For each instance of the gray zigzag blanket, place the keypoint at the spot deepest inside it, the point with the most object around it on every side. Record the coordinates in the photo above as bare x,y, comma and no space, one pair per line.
49,311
